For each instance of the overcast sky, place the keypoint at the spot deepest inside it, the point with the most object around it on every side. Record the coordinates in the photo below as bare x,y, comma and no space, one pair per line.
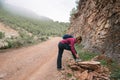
58,10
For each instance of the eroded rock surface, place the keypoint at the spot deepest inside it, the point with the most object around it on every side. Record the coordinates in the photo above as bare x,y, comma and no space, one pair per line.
98,22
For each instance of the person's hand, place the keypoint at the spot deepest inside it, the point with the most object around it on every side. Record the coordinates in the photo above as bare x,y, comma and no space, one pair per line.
77,56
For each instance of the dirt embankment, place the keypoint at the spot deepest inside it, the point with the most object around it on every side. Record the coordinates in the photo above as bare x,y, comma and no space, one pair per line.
8,31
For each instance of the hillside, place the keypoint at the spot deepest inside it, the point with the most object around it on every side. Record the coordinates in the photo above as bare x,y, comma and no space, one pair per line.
24,12
30,29
98,22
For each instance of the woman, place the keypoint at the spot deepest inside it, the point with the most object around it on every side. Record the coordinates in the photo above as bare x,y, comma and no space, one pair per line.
67,44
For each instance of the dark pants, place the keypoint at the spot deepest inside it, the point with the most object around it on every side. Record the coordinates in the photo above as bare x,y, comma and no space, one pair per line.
61,48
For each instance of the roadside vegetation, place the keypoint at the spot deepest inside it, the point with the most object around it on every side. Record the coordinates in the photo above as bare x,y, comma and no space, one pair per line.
30,30
2,35
113,66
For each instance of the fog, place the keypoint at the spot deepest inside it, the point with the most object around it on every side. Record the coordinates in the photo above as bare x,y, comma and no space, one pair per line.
58,10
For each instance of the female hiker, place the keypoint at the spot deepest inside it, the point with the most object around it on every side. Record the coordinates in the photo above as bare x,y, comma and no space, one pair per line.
67,44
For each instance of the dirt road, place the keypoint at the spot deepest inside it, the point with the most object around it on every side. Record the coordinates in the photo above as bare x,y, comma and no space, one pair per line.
36,62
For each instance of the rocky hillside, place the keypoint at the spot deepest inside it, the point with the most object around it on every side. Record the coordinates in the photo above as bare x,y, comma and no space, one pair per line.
98,22
9,32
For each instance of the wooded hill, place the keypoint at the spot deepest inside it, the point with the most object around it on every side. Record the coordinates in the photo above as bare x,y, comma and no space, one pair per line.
30,29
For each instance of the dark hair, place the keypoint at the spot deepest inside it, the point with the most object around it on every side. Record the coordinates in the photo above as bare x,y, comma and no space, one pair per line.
79,38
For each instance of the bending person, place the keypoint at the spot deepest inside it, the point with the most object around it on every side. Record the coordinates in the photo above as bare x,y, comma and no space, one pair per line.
67,44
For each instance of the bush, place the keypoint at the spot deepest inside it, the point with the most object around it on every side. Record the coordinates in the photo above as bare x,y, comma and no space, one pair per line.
22,40
115,71
2,35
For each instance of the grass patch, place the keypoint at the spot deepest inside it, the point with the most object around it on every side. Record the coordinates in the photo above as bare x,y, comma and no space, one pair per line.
115,71
84,55
69,75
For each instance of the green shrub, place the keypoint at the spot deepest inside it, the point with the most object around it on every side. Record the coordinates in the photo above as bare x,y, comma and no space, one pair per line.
69,75
115,71
22,40
43,38
103,62
84,55
2,35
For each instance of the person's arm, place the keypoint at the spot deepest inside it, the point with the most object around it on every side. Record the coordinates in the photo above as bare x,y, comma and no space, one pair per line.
73,49
77,56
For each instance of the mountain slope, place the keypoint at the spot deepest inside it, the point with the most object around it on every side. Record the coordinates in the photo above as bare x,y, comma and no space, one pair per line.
30,29
23,12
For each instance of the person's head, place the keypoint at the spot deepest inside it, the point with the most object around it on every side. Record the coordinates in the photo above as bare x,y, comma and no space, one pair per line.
78,39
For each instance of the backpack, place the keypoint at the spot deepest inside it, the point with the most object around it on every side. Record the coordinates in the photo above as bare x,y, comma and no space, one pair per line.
67,36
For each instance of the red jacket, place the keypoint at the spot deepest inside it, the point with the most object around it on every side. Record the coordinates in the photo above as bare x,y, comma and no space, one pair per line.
71,42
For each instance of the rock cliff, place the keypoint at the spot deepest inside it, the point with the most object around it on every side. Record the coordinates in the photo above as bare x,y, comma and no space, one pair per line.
98,22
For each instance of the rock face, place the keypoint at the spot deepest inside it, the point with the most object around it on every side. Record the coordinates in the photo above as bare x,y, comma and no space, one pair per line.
98,22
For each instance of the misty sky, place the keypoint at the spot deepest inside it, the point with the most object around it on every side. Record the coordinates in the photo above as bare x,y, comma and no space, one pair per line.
58,10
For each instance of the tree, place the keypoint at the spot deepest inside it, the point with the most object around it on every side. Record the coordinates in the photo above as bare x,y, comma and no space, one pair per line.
75,9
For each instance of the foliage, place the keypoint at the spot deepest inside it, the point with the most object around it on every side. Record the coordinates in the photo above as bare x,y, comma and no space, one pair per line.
103,62
22,40
2,35
75,9
115,71
42,29
69,75
34,26
84,55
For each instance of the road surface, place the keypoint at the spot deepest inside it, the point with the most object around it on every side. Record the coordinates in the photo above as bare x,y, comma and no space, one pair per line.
37,62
